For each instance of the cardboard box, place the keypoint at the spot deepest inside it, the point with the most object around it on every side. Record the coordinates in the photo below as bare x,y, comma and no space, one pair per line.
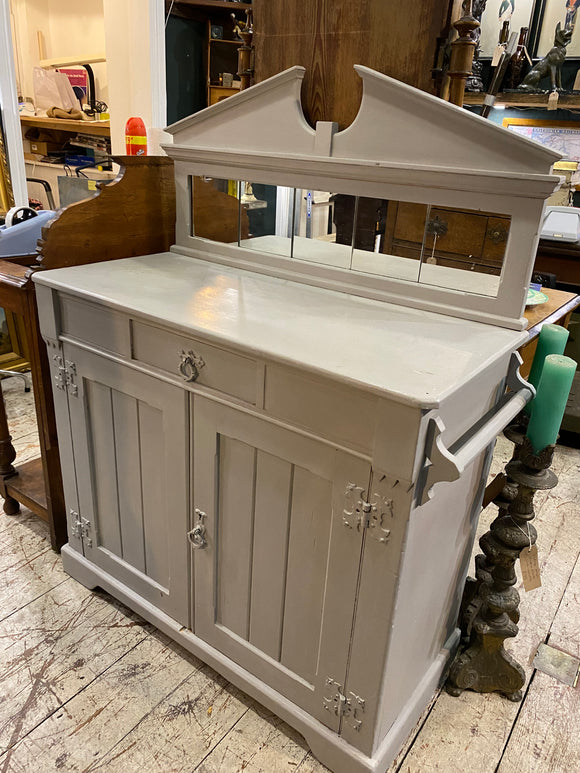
42,148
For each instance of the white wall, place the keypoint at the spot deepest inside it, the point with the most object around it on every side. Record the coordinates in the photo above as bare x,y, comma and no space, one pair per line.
134,36
70,28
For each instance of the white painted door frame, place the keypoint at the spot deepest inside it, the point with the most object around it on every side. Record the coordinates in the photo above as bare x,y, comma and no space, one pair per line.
9,96
157,49
10,114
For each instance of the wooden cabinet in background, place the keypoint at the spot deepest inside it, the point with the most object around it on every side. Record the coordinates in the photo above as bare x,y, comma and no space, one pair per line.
454,238
222,57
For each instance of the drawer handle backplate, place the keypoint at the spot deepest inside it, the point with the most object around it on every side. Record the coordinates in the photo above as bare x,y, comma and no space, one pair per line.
190,365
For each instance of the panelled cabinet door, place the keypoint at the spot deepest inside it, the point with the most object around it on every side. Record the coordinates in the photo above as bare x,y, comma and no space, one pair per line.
277,562
130,438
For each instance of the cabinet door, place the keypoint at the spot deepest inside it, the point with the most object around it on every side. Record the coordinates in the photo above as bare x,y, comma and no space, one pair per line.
275,584
130,441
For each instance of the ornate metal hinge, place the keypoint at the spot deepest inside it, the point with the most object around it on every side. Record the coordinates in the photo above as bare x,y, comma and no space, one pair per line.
361,514
349,706
80,528
65,376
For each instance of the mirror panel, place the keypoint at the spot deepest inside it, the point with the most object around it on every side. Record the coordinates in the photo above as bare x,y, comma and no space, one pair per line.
389,238
323,227
215,210
269,210
451,248
457,249
464,250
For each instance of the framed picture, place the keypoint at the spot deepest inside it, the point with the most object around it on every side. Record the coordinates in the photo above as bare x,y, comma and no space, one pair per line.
519,13
540,16
563,136
550,13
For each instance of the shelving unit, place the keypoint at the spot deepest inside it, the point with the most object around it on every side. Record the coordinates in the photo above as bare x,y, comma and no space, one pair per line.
99,128
68,129
222,56
567,101
215,4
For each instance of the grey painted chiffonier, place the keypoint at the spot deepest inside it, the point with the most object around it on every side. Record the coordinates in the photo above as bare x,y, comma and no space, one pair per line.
275,436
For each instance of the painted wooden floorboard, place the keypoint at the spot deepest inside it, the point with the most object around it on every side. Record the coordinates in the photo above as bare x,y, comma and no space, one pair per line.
28,566
54,647
87,686
259,743
547,732
99,716
181,731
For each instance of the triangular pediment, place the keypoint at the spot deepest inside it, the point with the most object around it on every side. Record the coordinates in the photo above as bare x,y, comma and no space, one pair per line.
396,124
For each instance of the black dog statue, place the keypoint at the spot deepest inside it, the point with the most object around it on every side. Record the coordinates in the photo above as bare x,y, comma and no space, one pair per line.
550,65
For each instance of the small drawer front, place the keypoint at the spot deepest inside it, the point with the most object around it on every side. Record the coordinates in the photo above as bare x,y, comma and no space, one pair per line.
343,414
97,325
222,370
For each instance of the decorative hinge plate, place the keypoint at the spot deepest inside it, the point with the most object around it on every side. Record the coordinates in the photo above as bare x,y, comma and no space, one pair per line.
361,514
80,528
348,707
65,376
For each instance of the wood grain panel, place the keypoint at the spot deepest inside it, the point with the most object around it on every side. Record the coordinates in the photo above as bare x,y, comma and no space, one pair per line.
133,215
236,524
153,488
99,400
307,563
273,486
129,478
329,36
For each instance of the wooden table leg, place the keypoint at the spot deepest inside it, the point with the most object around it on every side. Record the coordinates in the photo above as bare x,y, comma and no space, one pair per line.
7,456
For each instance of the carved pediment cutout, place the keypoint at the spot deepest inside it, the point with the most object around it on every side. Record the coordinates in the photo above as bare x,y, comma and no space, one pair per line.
397,123
266,118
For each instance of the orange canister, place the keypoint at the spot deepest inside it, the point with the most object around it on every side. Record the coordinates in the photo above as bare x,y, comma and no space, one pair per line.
135,137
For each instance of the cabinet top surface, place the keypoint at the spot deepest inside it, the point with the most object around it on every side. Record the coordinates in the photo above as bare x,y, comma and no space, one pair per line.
412,356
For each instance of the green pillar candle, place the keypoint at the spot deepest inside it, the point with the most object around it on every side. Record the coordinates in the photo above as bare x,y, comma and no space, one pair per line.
550,402
552,340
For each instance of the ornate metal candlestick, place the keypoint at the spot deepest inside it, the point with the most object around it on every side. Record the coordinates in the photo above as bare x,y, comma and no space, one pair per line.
491,614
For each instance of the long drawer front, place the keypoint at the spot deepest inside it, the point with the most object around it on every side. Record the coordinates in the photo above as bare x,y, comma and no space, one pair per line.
191,359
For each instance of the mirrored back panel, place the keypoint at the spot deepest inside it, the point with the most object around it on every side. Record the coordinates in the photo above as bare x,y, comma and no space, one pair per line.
457,249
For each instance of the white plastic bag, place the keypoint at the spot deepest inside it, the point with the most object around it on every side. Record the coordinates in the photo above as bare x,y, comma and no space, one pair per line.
53,89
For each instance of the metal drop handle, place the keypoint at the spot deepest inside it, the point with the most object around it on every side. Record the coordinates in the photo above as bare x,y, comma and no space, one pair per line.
197,535
190,365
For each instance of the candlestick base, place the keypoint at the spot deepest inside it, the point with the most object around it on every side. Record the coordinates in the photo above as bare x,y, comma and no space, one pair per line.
490,610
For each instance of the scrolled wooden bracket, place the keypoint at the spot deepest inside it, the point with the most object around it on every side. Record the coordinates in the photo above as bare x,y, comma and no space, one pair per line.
447,464
439,465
